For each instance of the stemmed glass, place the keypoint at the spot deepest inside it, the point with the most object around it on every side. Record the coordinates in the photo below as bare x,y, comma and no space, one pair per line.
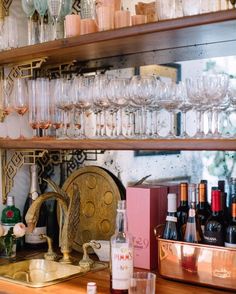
43,118
7,103
233,2
20,99
54,7
41,7
170,101
33,107
184,106
83,99
101,104
28,7
118,97
142,93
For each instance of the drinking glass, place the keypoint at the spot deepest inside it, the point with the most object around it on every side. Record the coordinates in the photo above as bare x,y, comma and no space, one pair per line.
165,9
169,101
33,107
28,7
43,118
20,99
54,7
142,95
233,2
118,97
191,7
142,283
7,103
82,92
101,104
41,7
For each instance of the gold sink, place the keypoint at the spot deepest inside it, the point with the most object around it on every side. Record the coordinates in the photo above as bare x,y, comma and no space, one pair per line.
41,272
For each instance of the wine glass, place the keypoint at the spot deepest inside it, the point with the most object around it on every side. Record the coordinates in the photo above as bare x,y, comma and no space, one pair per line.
33,107
54,7
118,97
83,99
20,99
41,7
28,7
7,103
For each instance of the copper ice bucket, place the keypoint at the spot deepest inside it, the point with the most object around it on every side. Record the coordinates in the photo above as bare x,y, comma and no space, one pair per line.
197,263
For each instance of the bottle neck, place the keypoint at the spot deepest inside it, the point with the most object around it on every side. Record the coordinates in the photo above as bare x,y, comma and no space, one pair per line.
121,221
10,201
34,186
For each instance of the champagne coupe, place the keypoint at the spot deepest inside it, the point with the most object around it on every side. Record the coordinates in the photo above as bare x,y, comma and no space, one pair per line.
28,7
54,7
21,99
41,7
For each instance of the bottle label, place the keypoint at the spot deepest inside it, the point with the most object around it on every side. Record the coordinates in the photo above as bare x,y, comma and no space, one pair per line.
214,238
34,237
171,218
230,245
10,214
122,266
192,212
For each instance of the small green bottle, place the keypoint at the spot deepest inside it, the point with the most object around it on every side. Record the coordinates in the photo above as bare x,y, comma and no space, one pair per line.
10,214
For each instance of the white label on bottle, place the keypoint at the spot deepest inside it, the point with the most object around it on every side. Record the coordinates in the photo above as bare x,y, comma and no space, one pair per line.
230,245
122,266
34,237
203,228
171,218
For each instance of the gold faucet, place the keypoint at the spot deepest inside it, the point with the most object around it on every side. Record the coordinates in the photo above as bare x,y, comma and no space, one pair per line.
69,218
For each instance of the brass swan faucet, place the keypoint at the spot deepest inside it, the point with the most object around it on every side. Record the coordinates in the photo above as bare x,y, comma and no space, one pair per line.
69,218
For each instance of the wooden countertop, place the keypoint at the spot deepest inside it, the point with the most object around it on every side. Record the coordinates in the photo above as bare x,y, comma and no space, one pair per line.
78,285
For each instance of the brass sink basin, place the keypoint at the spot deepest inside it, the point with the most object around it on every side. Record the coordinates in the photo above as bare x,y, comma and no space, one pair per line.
41,272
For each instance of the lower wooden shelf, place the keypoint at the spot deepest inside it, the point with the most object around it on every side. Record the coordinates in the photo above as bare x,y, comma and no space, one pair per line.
110,144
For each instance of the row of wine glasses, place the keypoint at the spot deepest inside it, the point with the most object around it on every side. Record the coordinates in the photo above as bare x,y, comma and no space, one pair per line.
57,9
99,107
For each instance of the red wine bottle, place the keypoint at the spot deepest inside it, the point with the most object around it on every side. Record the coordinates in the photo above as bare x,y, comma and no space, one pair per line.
230,236
214,231
171,231
182,210
193,232
226,213
203,207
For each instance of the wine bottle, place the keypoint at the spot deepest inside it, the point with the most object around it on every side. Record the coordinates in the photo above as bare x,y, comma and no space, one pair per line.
230,236
182,210
193,232
171,231
203,210
33,240
232,191
226,213
214,231
121,253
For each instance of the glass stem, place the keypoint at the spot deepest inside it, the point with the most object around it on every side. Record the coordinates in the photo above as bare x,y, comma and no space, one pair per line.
42,29
209,123
121,122
30,29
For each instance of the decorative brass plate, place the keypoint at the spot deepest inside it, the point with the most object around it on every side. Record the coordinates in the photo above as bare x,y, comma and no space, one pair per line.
98,201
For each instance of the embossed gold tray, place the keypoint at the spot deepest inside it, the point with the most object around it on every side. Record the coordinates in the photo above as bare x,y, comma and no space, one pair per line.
99,194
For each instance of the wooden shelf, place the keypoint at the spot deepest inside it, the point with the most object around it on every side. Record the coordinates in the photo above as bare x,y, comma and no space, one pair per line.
200,36
158,144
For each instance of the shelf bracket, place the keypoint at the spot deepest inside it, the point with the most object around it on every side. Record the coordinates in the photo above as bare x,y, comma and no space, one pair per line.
58,70
6,5
10,166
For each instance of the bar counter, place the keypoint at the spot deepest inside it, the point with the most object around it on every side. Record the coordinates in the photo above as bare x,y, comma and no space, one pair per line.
78,285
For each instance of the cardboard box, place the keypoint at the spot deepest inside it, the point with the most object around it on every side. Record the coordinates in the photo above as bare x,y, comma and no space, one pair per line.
146,208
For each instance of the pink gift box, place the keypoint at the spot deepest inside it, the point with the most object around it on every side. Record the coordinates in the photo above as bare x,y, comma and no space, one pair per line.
146,208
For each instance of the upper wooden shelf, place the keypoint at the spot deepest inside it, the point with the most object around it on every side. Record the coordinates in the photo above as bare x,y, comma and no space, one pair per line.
199,36
158,144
